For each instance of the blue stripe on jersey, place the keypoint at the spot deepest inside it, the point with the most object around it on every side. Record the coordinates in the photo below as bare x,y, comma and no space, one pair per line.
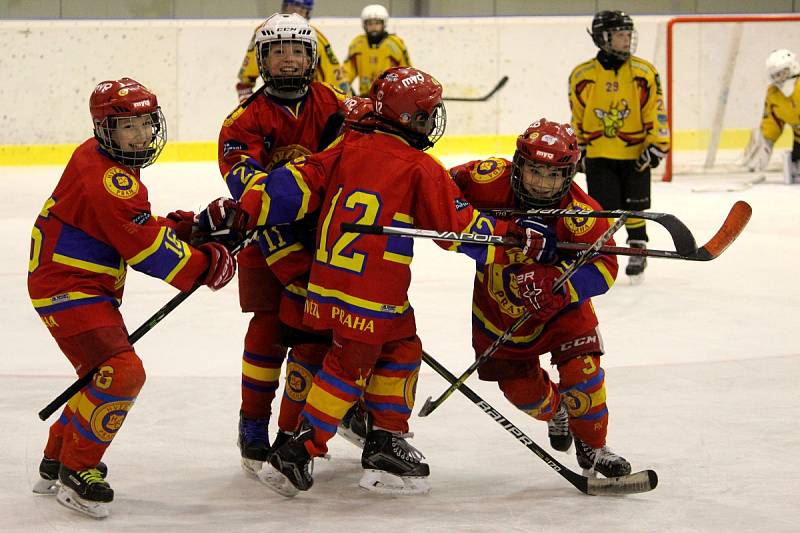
287,198
588,282
168,254
77,244
362,311
69,304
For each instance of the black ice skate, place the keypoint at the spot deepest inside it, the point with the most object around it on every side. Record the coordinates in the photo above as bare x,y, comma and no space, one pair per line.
290,466
355,425
392,466
48,476
636,263
280,439
558,429
253,443
601,460
85,491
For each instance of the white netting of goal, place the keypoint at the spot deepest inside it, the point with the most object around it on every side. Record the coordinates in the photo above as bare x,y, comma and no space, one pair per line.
717,84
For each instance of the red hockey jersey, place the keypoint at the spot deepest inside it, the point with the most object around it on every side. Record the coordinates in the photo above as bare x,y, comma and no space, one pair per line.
359,283
496,304
97,222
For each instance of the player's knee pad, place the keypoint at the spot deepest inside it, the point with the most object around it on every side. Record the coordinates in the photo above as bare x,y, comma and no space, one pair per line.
391,390
536,395
583,391
120,375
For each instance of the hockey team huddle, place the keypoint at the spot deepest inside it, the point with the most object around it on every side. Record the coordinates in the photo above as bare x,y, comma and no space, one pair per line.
301,158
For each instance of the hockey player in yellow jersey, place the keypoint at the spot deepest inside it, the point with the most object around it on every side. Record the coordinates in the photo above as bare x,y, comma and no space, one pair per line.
328,68
619,116
781,107
373,51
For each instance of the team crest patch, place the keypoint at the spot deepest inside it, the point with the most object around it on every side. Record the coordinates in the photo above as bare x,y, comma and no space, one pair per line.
579,225
108,418
489,170
410,389
298,382
230,119
284,154
120,184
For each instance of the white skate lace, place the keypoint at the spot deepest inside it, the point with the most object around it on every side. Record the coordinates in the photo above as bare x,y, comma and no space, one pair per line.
604,456
404,450
559,424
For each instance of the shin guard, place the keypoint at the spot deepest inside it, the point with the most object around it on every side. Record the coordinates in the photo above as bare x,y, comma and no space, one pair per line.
535,395
302,365
261,364
583,391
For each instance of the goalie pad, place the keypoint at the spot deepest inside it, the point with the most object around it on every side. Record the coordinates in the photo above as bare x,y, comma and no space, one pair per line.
757,152
791,169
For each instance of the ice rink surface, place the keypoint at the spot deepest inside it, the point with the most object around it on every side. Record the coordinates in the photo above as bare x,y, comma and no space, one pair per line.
701,376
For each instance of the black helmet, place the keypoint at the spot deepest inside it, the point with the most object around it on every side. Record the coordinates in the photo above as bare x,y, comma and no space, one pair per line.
603,23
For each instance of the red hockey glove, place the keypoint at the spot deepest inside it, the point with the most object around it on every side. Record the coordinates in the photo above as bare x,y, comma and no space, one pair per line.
245,91
538,241
535,285
223,220
221,265
182,222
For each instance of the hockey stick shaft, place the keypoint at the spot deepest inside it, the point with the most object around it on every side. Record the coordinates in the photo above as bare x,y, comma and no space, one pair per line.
733,225
430,405
634,483
151,322
500,85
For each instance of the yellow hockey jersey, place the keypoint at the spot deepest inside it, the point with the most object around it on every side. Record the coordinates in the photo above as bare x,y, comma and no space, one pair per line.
368,62
780,110
617,114
328,68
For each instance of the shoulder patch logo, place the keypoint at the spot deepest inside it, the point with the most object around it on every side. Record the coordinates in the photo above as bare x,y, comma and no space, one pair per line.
579,225
120,184
489,170
230,119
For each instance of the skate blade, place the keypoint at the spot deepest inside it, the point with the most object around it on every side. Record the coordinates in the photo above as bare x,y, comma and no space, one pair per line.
252,467
69,499
382,482
277,481
351,436
46,487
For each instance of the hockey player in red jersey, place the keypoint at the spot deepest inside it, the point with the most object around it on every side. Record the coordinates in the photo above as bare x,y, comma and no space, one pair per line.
290,116
376,173
563,324
95,224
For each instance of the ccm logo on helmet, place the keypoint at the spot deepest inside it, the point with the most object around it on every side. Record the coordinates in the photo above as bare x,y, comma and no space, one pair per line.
413,80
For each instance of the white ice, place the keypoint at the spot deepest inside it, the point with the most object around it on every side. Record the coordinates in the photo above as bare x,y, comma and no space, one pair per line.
701,375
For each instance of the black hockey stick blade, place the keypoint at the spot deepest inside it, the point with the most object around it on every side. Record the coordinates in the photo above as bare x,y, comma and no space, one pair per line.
500,85
681,236
639,482
731,228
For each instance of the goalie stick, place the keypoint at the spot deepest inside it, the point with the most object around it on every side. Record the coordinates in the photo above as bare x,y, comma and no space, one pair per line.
430,404
151,322
635,483
483,98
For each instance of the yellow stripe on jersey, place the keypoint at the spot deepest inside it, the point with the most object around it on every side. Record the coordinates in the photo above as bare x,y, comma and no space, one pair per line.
397,258
150,250
187,253
358,302
283,252
62,298
86,265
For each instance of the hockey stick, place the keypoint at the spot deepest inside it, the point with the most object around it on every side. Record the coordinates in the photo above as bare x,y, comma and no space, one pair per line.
483,98
733,225
151,322
430,405
682,237
643,481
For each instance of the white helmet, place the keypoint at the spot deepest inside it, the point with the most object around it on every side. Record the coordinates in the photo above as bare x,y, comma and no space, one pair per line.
782,70
280,29
374,12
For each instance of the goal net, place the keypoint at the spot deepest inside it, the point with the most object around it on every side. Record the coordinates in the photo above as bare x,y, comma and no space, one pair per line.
716,83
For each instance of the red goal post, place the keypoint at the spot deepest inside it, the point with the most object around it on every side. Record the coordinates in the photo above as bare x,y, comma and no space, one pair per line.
669,165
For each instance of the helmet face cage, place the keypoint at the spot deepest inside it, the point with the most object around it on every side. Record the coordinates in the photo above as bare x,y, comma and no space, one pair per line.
782,69
281,33
605,24
432,124
111,128
374,12
544,164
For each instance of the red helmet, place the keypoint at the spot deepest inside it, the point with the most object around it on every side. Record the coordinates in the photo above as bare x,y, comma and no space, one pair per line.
409,102
544,164
125,103
356,109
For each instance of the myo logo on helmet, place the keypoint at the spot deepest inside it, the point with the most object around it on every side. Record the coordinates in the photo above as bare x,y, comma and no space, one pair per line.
546,155
142,103
103,87
413,80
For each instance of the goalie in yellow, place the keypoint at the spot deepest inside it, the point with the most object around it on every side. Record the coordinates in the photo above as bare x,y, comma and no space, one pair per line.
328,68
619,117
780,108
373,51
